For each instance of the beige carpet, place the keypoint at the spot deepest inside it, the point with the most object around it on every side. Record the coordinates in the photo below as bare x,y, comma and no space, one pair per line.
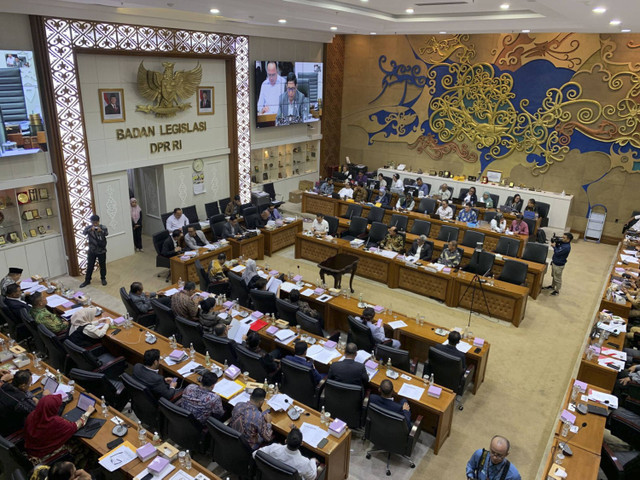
528,369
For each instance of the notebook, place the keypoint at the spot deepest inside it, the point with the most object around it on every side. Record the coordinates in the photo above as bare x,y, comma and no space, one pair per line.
84,402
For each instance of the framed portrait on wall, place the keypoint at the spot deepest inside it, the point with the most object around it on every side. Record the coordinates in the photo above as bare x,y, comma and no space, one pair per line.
205,100
111,105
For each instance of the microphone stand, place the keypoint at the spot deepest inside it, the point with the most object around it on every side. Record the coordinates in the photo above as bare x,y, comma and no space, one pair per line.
475,282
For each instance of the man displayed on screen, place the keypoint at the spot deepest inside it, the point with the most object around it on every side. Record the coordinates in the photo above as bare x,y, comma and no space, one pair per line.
112,108
270,91
294,105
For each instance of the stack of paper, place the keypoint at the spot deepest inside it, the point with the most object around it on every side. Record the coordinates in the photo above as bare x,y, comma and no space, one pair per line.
288,286
171,291
54,301
280,402
603,398
411,391
240,398
321,354
306,292
397,324
238,268
237,330
312,435
227,388
189,368
363,356
463,347
611,362
118,457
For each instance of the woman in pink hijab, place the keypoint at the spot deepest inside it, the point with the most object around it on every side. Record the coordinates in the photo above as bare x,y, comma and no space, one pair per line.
136,223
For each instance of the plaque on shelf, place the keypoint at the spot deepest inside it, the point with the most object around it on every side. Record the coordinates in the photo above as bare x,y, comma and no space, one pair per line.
2,240
33,232
24,236
36,214
41,230
27,215
33,195
49,212
23,198
13,237
2,205
44,193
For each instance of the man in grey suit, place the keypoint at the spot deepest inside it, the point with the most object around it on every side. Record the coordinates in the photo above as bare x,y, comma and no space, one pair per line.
348,370
232,228
294,105
148,374
195,238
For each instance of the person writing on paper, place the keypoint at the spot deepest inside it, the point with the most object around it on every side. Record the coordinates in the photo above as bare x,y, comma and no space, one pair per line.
46,432
467,214
348,370
320,226
444,212
300,356
406,203
385,400
290,454
42,316
519,226
148,373
86,329
443,192
377,330
194,239
12,277
393,241
270,91
185,302
173,244
450,347
450,256
498,223
346,192
420,249
16,402
492,464
253,424
201,401
232,228
177,220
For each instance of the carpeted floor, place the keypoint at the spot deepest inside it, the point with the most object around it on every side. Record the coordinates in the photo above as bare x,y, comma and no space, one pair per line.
528,369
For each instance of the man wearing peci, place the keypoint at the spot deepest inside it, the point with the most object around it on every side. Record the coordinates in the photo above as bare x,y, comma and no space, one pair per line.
293,104
270,91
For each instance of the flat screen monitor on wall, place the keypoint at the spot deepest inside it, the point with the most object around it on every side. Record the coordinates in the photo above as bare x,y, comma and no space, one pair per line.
287,93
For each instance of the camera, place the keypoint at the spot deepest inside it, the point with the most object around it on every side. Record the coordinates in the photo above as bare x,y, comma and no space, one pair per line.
555,239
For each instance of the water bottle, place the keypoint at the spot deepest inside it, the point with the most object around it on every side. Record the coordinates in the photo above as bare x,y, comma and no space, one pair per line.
431,380
142,434
207,359
265,385
36,359
156,439
226,364
187,461
172,342
322,412
389,367
180,282
192,352
103,406
58,377
72,387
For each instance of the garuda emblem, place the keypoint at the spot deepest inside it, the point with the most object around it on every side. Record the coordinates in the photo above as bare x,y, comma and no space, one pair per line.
167,89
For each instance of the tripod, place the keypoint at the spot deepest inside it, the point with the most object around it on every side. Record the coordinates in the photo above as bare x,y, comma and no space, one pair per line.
475,282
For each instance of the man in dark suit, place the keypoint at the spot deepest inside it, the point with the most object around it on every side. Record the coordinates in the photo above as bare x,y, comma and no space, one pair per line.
421,249
221,330
294,105
232,228
13,301
386,401
205,102
113,108
171,246
348,370
300,350
147,373
450,348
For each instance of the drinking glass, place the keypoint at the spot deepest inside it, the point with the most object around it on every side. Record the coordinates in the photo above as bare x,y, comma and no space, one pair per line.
181,458
245,377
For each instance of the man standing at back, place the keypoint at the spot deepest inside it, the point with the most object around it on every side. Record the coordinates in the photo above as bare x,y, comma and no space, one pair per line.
492,464
97,237
348,370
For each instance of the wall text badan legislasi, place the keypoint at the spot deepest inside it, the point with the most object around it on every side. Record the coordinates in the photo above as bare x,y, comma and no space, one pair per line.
166,129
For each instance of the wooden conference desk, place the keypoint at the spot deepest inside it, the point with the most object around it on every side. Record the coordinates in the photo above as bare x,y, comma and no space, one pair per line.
252,247
506,301
186,269
582,465
280,237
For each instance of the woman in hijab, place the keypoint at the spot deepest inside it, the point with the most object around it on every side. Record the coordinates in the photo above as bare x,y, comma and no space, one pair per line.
46,432
85,329
488,201
136,224
250,274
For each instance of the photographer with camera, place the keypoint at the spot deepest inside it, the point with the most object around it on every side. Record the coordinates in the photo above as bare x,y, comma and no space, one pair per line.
561,250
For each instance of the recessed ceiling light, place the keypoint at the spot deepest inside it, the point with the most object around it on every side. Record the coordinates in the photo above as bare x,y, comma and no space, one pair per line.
526,31
215,11
615,22
599,10
409,10
625,30
282,20
373,33
364,1
333,28
505,6
442,33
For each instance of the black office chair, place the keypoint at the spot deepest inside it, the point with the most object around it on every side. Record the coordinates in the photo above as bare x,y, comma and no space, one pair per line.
249,209
263,300
220,349
230,449
217,218
165,319
360,334
622,463
251,362
56,354
535,252
223,204
202,277
100,385
496,199
148,319
143,403
164,217
463,193
543,211
427,205
333,225
252,221
287,311
211,209
448,372
376,214
268,468
507,246
399,221
297,382
196,226
309,324
471,238
399,358
191,213
18,475
421,227
488,216
514,272
345,401
353,210
12,459
357,227
161,261
190,333
389,433
31,325
448,233
95,359
238,289
531,225
181,426
481,263
18,331
377,232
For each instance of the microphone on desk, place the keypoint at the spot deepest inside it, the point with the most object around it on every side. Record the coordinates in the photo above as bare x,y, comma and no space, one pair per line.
564,446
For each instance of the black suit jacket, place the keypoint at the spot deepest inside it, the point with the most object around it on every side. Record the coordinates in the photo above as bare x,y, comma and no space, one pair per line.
451,350
425,253
154,381
168,247
15,305
391,405
349,371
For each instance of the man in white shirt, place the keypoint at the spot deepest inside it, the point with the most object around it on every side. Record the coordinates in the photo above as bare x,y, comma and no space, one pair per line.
177,220
270,91
445,212
320,225
346,192
444,192
396,184
290,454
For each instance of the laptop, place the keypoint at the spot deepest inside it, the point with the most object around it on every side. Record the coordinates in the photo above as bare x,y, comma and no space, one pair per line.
506,209
50,384
84,402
